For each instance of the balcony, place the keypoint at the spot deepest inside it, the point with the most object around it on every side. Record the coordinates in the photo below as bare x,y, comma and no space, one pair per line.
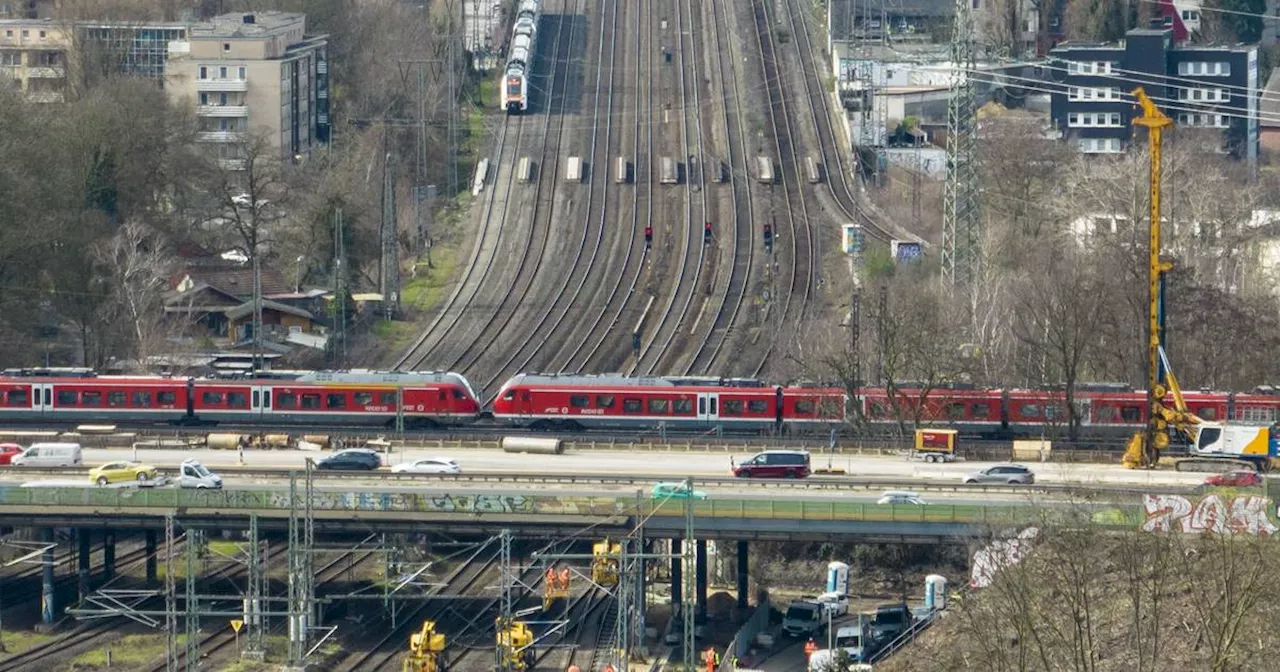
232,164
220,136
46,72
222,110
222,85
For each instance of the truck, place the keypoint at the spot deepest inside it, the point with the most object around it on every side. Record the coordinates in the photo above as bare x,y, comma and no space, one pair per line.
804,618
853,642
889,621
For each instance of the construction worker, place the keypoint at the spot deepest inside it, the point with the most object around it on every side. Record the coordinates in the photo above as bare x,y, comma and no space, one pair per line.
809,647
711,659
551,578
564,579
608,668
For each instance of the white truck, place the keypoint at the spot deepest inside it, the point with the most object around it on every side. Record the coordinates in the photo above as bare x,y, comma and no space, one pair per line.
194,475
804,618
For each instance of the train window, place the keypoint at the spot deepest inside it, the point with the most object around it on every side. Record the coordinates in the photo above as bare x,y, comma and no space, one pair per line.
604,401
166,398
19,398
311,400
682,406
1253,414
876,410
509,395
212,399
1208,413
363,398
442,396
67,398
286,400
632,406
1131,414
387,399
658,406
579,400
804,407
758,406
1030,410
1104,413
91,398
117,398
1052,412
954,411
731,407
338,400
237,400
979,410
457,394
142,399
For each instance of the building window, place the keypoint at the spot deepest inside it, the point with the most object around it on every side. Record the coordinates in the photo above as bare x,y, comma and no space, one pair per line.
243,73
26,34
42,34
226,46
204,99
222,72
8,33
1095,146
204,72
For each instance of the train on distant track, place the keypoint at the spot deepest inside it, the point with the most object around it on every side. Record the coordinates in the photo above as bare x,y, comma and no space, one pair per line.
515,81
426,399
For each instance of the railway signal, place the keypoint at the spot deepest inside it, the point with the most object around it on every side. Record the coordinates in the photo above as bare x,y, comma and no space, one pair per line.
648,237
706,234
768,238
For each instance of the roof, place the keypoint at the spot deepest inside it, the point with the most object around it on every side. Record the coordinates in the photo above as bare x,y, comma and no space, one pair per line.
200,298
247,307
237,280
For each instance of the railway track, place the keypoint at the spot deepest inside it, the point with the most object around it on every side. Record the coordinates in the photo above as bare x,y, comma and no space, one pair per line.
694,247
547,331
743,242
800,279
594,358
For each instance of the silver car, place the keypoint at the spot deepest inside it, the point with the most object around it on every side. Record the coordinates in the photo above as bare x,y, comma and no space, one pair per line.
1013,474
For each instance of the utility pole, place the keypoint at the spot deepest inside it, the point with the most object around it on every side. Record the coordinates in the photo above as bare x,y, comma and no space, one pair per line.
338,348
389,266
960,217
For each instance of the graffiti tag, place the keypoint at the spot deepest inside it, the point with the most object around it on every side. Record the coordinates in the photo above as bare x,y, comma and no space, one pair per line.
1246,514
997,555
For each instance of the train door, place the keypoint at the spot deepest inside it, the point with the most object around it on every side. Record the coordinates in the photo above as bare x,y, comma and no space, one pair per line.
709,408
42,398
260,401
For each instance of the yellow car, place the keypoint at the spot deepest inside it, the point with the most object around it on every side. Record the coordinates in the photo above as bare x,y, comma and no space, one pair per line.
116,472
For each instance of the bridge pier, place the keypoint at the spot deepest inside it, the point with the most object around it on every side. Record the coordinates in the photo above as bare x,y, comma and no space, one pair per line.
84,543
108,555
677,572
743,574
47,595
700,582
151,556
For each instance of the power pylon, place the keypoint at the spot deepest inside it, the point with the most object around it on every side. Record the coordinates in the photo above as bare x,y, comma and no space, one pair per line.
960,218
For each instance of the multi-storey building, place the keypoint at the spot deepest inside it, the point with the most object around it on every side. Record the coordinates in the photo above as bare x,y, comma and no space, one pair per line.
254,75
246,74
1201,86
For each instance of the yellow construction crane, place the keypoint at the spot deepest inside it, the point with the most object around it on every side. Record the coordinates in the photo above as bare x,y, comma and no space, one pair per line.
426,650
604,564
515,644
1222,446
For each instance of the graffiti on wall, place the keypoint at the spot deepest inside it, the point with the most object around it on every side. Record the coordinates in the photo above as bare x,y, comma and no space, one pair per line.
997,555
1246,514
478,504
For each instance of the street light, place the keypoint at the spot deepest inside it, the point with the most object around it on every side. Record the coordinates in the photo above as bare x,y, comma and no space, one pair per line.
297,273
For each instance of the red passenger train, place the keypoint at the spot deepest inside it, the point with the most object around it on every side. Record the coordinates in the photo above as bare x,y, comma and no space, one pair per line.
578,401
319,398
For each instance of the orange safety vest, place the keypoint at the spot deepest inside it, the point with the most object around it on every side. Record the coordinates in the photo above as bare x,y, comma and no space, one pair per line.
564,578
809,648
551,578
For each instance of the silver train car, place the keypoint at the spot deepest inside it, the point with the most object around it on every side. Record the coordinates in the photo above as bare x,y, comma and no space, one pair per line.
515,81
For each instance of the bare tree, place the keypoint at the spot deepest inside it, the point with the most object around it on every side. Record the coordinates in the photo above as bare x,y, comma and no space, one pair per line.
136,265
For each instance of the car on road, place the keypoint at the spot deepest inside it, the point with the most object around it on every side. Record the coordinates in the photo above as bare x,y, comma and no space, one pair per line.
1012,474
8,451
193,474
350,459
120,472
428,465
676,491
1241,478
774,464
900,497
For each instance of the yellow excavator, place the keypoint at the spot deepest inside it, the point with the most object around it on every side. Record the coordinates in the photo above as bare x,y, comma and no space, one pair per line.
515,645
426,650
1212,446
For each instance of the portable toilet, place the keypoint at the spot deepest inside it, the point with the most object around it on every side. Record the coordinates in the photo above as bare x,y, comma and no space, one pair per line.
838,578
935,592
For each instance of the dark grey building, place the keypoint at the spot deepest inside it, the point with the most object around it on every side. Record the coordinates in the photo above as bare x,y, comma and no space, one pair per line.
1200,86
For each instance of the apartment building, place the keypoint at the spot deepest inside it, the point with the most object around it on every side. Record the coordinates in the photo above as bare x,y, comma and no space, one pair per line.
1199,86
246,74
254,74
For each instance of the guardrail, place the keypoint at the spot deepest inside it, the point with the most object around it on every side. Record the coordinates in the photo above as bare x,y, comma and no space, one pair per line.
102,501
648,480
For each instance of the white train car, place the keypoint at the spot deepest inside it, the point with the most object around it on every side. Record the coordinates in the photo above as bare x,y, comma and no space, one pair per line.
670,171
515,82
813,169
764,168
622,171
573,172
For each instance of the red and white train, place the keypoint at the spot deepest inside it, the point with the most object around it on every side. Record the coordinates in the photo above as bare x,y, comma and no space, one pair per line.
1103,410
280,398
578,401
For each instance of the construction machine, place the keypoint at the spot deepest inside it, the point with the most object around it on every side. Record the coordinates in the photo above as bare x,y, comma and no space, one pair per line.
426,650
515,645
1212,446
604,563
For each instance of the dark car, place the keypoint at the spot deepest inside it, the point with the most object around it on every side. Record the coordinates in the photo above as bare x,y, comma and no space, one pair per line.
7,451
1235,479
352,459
775,464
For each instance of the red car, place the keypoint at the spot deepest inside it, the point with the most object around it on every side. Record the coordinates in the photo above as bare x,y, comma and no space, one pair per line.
7,451
1235,479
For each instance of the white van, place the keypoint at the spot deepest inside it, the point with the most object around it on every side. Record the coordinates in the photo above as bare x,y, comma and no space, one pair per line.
49,455
192,474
